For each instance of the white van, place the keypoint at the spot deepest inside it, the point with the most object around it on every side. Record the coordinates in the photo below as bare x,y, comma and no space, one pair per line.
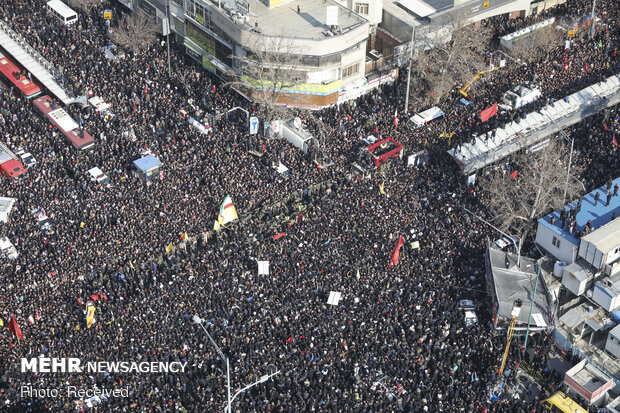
62,11
98,176
422,118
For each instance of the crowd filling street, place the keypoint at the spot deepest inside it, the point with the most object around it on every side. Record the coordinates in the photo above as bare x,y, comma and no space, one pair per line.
397,341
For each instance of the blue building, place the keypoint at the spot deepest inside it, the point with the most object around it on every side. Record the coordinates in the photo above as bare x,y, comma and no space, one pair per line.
562,237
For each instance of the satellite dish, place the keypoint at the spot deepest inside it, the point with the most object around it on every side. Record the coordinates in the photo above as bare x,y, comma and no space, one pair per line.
297,123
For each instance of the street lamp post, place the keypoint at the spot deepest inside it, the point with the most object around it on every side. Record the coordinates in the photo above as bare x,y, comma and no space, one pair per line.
409,72
570,158
262,379
510,237
507,55
529,320
198,321
592,19
168,36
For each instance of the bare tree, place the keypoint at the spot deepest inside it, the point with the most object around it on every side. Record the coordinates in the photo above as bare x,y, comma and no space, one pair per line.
87,5
444,65
270,68
518,198
135,32
537,44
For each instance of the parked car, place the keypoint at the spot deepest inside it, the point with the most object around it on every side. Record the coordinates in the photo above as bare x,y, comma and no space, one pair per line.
42,219
27,158
98,176
469,310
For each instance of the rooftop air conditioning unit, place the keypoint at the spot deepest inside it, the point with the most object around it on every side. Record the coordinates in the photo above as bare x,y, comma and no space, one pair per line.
375,54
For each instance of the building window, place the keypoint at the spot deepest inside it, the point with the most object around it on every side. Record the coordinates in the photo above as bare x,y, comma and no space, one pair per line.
555,242
361,8
350,70
179,2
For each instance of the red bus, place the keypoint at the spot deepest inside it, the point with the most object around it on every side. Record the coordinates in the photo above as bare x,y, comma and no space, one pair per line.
13,74
58,117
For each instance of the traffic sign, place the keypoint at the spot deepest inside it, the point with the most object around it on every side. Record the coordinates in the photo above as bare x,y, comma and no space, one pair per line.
107,14
485,4
571,33
254,125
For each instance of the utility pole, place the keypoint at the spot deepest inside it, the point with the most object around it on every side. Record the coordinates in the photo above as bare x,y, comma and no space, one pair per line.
409,72
592,19
168,37
510,237
529,320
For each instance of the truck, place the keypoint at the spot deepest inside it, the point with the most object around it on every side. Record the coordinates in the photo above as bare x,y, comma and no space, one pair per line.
10,165
520,96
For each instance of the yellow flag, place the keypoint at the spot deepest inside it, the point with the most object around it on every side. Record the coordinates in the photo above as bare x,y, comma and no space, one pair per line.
81,225
216,226
1,322
90,315
358,274
184,236
131,265
382,188
169,248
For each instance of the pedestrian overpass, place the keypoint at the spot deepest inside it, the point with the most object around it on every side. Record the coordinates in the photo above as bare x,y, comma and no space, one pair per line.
50,77
490,147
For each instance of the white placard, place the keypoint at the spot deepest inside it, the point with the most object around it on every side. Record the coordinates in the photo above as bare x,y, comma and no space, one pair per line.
334,298
254,125
263,267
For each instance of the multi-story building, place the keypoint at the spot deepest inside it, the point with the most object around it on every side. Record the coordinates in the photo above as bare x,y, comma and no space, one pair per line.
342,48
327,42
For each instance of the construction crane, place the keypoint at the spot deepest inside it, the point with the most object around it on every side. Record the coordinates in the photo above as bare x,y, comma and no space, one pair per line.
516,310
468,85
496,390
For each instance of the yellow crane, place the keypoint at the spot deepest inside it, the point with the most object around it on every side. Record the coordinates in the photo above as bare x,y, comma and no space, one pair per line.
516,310
468,85
497,388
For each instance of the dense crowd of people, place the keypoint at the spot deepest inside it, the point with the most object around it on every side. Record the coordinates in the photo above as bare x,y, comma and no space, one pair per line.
397,341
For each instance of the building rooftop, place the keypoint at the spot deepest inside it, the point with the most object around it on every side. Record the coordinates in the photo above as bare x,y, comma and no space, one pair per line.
310,22
606,237
595,318
587,380
410,11
515,283
615,331
599,214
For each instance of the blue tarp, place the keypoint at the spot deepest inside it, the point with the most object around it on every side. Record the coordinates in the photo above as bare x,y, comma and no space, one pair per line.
147,163
464,102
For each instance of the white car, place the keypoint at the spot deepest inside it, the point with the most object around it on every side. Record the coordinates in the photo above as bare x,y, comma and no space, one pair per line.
42,219
27,158
469,308
7,249
98,176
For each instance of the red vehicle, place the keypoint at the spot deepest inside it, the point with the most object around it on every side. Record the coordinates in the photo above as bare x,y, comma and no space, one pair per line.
14,75
10,166
58,117
381,151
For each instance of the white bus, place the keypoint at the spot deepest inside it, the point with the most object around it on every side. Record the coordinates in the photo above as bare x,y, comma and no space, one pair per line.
62,11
